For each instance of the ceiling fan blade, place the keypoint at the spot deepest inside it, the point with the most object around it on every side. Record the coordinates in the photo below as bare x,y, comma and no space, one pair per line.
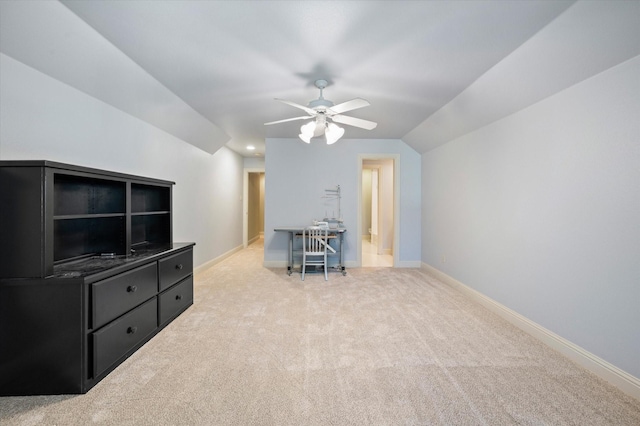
302,107
349,105
356,122
288,119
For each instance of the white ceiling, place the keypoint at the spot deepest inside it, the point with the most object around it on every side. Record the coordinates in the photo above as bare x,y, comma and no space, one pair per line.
411,60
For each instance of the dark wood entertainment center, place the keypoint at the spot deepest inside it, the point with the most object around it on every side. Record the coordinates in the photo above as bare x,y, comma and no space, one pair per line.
89,273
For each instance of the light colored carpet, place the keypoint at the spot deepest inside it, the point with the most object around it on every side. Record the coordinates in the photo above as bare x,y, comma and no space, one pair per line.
378,346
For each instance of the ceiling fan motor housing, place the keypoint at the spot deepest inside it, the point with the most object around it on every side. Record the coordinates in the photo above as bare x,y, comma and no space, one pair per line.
320,104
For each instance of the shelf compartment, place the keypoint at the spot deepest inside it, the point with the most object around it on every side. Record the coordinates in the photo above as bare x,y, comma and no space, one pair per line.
147,198
78,237
150,229
79,195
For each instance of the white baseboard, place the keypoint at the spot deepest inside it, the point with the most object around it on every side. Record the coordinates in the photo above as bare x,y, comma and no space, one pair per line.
409,264
217,260
601,368
253,240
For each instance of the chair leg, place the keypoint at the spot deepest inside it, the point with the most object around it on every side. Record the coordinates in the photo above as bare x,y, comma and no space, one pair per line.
304,265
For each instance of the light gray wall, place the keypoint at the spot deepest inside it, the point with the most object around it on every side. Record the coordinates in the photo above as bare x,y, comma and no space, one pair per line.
254,163
49,37
42,118
540,211
296,175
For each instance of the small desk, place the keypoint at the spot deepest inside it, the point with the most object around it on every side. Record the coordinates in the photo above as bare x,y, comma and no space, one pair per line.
337,233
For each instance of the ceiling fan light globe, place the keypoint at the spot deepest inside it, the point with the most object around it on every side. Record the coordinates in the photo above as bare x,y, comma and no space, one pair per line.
333,133
308,129
305,138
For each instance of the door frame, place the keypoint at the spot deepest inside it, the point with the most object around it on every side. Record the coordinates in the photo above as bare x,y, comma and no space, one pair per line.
396,204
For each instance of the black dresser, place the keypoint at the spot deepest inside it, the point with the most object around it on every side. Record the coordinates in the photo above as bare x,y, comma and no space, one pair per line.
89,272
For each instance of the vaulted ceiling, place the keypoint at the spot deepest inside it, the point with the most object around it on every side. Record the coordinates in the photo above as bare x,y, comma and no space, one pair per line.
430,69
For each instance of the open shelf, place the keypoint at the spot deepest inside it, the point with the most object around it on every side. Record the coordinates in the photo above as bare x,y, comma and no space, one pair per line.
78,237
79,195
89,216
150,229
148,199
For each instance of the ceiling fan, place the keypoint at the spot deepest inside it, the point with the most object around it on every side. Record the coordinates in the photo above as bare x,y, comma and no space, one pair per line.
325,115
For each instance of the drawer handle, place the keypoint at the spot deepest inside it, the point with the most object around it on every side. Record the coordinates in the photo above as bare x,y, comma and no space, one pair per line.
179,266
132,330
132,289
178,297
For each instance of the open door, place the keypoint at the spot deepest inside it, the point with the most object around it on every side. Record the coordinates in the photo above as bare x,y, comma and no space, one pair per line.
377,207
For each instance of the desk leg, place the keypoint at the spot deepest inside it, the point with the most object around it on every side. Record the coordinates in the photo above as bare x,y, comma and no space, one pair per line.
342,268
290,257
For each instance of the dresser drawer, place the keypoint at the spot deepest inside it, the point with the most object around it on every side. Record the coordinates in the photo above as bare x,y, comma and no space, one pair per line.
116,339
115,296
175,300
174,268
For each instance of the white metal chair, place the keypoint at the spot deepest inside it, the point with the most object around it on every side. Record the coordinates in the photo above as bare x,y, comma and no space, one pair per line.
314,248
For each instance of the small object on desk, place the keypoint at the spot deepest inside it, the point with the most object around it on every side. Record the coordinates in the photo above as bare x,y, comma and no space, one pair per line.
333,223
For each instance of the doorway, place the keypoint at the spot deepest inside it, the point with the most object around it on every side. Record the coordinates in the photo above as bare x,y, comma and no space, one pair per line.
253,226
377,211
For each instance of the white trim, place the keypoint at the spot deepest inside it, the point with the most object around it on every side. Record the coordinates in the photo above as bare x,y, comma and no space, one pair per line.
601,368
409,264
217,260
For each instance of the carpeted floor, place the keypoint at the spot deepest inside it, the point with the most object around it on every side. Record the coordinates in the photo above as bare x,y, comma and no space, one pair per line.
379,346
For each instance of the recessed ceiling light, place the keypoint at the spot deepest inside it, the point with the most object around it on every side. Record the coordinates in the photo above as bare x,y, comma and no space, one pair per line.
251,147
